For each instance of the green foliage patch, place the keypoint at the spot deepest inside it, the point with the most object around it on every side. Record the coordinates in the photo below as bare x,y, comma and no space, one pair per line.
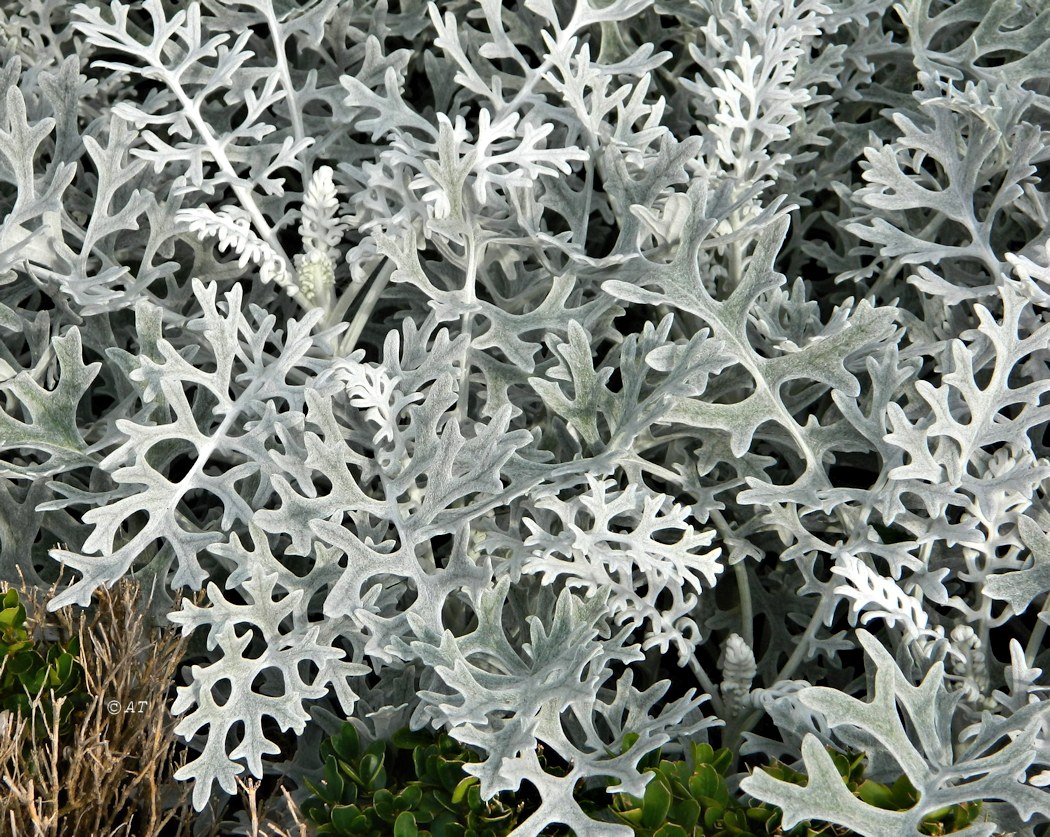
415,785
361,792
33,675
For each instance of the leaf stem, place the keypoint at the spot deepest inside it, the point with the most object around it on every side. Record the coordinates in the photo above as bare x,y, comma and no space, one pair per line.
467,321
351,293
735,729
277,31
738,726
747,632
803,644
218,154
707,685
747,615
1035,641
368,304
588,187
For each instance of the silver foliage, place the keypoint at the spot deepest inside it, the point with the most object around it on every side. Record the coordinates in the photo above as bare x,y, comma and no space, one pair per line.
517,370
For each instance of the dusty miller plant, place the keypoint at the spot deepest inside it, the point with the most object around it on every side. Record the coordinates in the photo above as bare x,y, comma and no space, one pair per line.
549,373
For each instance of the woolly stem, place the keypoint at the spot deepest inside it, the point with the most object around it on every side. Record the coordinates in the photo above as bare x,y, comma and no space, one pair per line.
708,686
646,441
385,266
747,615
585,211
247,200
734,730
526,88
887,278
368,304
467,322
279,37
804,642
1035,641
736,260
747,618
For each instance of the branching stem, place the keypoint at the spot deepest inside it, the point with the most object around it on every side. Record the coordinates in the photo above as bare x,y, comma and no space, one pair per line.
218,153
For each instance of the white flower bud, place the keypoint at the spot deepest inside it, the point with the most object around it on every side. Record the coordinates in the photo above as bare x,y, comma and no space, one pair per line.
738,671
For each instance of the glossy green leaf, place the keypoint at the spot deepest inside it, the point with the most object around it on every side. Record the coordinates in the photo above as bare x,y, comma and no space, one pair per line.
655,803
705,781
878,795
465,784
405,826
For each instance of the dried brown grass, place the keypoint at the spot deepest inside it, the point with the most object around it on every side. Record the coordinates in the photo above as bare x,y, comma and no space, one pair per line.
106,777
112,775
257,825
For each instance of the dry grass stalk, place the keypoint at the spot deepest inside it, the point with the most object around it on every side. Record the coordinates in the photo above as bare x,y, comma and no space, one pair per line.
257,825
105,778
